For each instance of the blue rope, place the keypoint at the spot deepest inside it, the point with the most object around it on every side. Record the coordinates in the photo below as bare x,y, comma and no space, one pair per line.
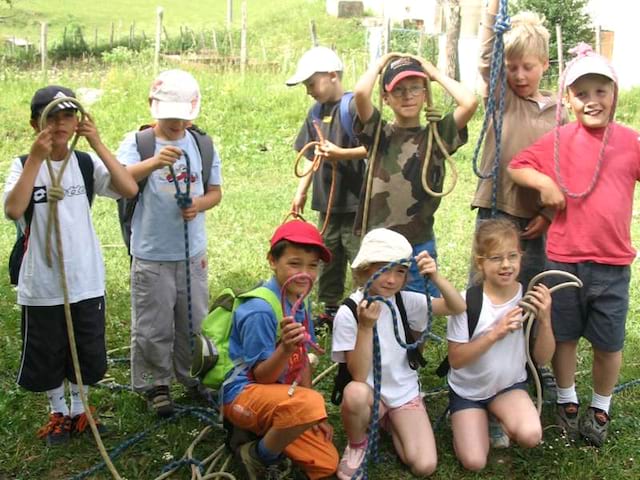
493,112
185,201
372,451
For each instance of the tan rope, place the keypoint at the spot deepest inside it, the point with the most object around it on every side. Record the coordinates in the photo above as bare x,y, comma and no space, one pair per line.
53,222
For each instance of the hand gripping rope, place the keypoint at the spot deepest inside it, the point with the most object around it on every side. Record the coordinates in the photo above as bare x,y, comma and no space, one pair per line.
315,166
530,316
184,200
432,116
56,193
300,357
497,75
372,445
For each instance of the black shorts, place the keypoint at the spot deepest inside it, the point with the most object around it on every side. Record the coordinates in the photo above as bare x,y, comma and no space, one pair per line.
46,358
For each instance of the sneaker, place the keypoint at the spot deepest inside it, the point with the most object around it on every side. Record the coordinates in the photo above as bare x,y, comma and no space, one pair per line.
351,460
549,386
567,418
497,436
80,424
159,399
594,425
256,470
57,431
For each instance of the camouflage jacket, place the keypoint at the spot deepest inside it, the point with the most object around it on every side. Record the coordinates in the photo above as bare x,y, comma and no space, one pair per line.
397,199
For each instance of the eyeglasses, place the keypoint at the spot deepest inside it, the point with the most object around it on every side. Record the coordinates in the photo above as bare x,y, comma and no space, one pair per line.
511,257
413,91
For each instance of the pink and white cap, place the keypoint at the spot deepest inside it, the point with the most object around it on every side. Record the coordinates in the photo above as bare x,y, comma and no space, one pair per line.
175,94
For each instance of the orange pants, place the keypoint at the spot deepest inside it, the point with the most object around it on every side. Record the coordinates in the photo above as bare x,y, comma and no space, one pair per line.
261,407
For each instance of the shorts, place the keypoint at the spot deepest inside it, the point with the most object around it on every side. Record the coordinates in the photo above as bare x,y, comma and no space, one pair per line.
457,403
46,357
416,281
386,412
598,310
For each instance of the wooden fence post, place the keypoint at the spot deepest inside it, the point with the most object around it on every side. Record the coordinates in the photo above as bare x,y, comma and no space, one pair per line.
243,39
229,13
111,37
43,50
598,40
156,56
314,35
559,43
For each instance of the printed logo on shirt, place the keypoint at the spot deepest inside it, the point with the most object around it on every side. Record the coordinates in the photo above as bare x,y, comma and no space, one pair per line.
40,194
75,190
181,175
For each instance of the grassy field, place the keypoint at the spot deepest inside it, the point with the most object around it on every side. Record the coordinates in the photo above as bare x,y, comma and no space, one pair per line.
253,121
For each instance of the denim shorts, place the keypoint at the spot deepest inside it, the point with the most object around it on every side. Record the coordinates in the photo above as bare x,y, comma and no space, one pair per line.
598,310
456,402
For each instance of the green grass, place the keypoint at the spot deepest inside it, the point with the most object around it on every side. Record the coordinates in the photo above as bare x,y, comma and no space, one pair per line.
254,122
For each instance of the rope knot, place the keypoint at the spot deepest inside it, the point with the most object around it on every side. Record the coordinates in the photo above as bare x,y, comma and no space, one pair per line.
502,25
184,200
55,193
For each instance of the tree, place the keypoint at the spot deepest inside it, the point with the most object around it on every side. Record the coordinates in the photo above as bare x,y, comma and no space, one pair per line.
574,22
451,12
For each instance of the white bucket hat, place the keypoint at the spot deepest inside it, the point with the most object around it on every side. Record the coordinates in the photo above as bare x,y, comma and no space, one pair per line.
175,94
382,245
318,59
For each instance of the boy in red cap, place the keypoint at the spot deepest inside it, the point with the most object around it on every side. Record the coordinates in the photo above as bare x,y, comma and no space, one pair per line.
257,395
398,200
28,193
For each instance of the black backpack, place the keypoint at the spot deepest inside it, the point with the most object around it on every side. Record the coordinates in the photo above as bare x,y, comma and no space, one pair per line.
22,240
146,145
473,297
416,360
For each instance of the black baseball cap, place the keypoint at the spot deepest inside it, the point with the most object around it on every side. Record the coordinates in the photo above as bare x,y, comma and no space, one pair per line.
46,95
399,69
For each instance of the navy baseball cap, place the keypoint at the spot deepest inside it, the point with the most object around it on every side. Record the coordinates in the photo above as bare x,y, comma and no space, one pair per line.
46,95
400,69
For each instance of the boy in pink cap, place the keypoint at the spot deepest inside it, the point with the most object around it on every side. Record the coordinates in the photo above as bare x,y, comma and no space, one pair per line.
587,171
160,330
257,395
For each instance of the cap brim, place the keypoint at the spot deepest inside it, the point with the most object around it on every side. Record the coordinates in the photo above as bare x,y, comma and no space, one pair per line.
325,253
180,110
402,76
298,77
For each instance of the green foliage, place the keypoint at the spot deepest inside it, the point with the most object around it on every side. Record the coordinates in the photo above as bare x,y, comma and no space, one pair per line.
575,23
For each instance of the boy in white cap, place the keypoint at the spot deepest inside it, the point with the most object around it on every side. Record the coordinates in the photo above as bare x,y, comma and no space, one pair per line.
160,330
320,70
28,193
587,171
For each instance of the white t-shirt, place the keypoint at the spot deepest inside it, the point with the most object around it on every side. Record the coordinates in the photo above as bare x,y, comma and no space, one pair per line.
399,381
499,367
39,284
157,227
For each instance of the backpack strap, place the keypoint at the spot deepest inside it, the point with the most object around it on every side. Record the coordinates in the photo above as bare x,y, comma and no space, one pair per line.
205,147
146,146
85,162
473,298
416,360
343,377
268,296
346,120
28,213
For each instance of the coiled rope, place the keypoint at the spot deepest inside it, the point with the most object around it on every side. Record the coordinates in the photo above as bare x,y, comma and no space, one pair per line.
432,116
497,79
372,434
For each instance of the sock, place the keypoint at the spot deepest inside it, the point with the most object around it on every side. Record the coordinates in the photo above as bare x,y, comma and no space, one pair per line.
361,444
567,395
57,402
76,402
602,402
265,455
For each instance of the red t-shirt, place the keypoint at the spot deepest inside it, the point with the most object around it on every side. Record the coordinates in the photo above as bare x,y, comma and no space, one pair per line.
596,227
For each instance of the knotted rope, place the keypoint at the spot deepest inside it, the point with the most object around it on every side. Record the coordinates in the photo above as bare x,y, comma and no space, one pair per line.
372,434
56,193
497,79
432,116
184,200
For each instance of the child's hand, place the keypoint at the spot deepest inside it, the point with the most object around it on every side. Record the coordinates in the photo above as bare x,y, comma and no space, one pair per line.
329,151
511,322
297,205
540,298
41,147
368,314
383,60
87,129
432,72
325,429
551,195
167,156
191,211
426,264
291,334
535,228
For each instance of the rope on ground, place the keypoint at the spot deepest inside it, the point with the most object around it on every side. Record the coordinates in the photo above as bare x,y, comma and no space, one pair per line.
497,80
372,445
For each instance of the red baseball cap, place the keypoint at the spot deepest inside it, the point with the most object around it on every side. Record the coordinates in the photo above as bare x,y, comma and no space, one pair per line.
399,69
303,233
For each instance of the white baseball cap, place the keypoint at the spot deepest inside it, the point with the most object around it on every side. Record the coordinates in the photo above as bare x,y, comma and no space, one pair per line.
318,59
588,62
175,94
382,245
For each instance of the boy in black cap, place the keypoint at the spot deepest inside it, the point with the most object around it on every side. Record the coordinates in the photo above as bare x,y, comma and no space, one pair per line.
398,200
46,359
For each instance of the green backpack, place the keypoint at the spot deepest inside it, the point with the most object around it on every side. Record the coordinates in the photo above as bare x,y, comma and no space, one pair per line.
211,361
